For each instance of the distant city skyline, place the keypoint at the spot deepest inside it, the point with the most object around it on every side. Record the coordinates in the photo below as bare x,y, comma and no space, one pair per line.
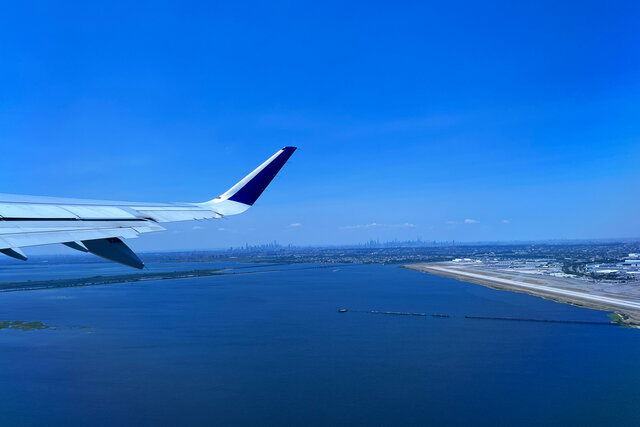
475,123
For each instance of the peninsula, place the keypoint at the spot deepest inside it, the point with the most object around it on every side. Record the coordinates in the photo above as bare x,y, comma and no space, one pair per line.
564,289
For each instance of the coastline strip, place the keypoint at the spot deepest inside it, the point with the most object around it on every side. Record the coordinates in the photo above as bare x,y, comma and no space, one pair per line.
627,310
609,301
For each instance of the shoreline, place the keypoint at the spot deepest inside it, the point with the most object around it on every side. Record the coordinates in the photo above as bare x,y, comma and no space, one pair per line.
628,310
81,282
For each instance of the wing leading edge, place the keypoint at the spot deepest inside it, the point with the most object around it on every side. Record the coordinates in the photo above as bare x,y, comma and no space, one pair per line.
98,227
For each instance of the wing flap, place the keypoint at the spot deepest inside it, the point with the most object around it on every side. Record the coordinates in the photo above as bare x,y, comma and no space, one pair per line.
171,214
97,212
35,236
23,210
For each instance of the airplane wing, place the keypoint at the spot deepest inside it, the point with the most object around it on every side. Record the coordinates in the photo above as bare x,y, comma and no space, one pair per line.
98,227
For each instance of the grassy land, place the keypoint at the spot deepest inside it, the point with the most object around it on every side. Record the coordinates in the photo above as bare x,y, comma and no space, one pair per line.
23,326
104,280
620,319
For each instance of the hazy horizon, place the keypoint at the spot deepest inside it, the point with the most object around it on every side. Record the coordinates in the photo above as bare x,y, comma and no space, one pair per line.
56,250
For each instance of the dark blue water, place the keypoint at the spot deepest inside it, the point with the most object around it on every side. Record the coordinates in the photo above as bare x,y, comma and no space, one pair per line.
271,348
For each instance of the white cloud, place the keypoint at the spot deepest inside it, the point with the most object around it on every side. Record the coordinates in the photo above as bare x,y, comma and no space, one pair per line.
471,221
220,228
196,227
505,221
295,224
375,224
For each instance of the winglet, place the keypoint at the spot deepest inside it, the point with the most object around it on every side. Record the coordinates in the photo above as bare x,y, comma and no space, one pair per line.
251,186
244,194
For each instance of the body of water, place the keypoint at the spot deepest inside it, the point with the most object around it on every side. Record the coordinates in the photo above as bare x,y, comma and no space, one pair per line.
270,348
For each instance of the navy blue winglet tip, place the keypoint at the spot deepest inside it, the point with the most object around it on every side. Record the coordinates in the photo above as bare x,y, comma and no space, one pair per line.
254,188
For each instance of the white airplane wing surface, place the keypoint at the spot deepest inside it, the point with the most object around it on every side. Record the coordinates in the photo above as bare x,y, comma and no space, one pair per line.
99,226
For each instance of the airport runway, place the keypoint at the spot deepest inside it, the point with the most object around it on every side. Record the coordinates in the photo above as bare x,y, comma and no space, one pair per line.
612,301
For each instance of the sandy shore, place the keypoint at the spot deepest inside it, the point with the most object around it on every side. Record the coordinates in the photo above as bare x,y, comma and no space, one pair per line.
557,289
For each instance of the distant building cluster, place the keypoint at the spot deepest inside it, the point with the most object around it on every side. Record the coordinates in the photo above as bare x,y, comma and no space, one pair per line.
598,263
627,268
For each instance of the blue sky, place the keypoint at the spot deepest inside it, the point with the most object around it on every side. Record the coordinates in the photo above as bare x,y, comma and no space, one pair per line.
444,120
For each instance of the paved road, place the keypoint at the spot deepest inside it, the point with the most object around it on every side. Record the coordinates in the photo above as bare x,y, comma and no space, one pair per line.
617,302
